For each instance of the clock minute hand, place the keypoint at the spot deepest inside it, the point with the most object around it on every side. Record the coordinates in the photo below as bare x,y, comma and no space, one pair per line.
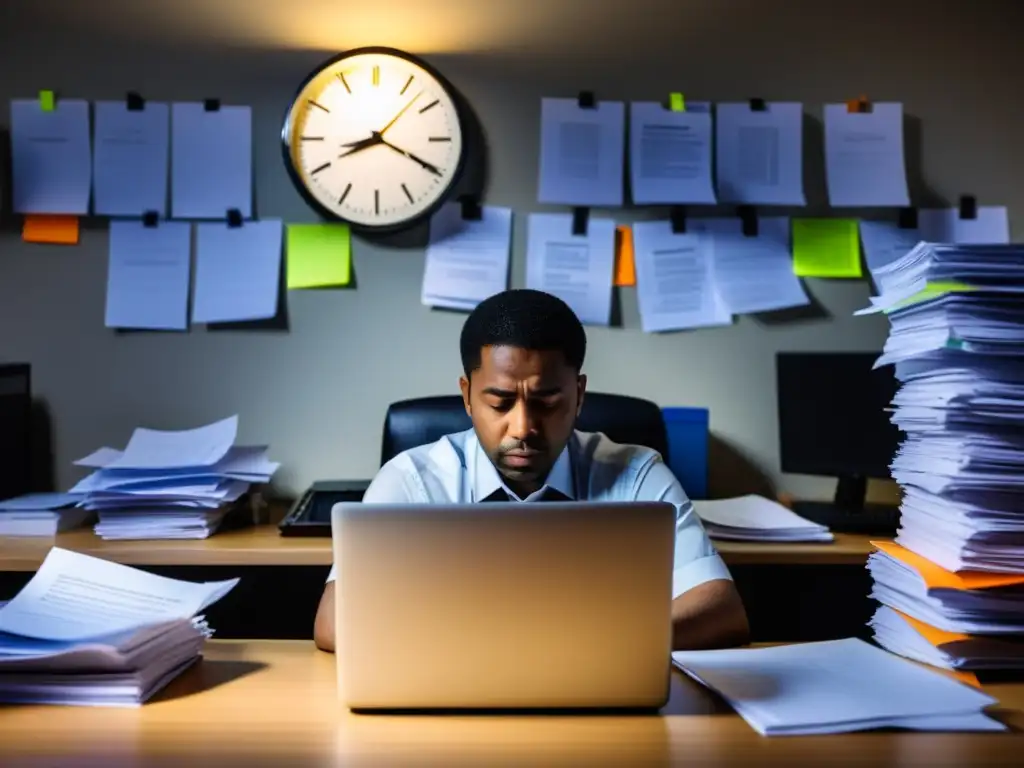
400,113
432,168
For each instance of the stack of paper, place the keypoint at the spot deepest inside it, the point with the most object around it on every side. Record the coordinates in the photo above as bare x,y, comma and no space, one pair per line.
755,518
89,632
172,485
836,686
969,620
957,342
41,514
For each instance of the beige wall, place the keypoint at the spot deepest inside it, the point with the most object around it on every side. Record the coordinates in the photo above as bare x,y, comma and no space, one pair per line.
317,394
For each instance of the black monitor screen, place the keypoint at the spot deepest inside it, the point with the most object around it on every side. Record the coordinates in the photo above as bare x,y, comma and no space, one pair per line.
832,417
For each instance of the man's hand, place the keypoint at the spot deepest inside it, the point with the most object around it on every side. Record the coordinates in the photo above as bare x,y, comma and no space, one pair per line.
323,626
711,615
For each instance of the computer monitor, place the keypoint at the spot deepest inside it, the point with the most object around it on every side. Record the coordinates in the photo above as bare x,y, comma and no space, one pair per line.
833,422
15,429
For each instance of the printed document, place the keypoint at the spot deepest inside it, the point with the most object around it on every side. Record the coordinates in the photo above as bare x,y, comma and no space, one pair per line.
581,153
759,154
670,154
864,163
578,269
944,225
674,278
149,449
211,161
131,155
238,271
51,157
884,242
467,261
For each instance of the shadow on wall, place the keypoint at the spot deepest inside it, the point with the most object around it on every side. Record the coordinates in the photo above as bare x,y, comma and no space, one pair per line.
731,473
41,463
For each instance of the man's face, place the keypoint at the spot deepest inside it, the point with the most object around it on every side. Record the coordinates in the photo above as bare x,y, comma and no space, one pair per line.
524,405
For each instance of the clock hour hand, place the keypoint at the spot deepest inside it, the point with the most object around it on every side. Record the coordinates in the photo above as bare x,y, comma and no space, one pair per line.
428,166
359,146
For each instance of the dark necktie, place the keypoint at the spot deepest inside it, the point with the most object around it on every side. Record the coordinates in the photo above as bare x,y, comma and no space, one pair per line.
550,494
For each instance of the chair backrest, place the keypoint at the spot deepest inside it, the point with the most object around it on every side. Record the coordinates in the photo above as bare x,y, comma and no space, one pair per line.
422,420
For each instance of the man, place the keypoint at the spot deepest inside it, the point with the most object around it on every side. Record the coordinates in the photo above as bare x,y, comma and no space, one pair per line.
522,352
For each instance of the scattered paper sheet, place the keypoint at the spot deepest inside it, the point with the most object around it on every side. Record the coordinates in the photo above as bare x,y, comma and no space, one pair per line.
826,248
211,161
755,273
575,268
625,261
148,275
675,282
944,225
51,157
131,157
581,153
884,242
318,255
670,154
756,518
160,449
75,597
238,271
467,260
864,163
759,154
54,228
40,501
836,686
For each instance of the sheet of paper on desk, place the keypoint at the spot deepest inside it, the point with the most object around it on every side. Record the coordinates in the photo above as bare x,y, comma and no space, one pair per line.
576,268
467,260
238,271
945,225
148,275
753,273
864,163
755,518
150,449
670,154
759,154
836,686
211,161
74,597
131,151
674,278
51,157
581,153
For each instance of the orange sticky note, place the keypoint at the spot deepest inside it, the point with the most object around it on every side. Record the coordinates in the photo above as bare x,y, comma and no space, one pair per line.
50,228
625,264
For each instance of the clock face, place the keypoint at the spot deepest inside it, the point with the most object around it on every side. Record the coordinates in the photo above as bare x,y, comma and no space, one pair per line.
374,138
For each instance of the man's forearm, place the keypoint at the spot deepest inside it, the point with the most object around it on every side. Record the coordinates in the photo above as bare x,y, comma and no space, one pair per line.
323,625
711,615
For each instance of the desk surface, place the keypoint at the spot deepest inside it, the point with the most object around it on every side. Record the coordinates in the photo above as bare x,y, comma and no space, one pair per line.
262,545
273,702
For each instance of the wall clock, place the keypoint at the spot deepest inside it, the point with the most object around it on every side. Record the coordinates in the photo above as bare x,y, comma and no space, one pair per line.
375,137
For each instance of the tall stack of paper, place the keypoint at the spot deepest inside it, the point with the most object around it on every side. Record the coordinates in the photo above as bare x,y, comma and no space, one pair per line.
755,518
172,485
835,686
89,632
952,587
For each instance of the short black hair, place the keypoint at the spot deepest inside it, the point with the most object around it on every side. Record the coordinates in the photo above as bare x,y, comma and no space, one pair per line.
524,318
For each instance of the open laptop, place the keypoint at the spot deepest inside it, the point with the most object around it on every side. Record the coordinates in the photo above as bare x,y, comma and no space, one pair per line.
511,606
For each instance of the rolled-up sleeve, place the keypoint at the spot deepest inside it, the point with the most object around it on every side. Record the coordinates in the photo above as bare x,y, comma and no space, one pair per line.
389,486
696,559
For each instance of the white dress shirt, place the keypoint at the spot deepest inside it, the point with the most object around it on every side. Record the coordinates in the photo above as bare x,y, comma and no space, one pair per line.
455,470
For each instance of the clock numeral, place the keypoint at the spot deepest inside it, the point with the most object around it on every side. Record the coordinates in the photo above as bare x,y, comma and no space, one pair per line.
319,106
376,201
341,76
408,194
440,138
344,194
320,168
431,104
376,75
406,86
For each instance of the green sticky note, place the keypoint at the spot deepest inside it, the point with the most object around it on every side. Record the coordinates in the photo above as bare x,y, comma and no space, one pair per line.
931,291
676,103
318,255
46,101
826,248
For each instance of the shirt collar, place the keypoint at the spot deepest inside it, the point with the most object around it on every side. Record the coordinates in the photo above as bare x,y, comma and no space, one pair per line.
486,479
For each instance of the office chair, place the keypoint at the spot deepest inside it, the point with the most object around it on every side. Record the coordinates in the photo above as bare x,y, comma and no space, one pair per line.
422,420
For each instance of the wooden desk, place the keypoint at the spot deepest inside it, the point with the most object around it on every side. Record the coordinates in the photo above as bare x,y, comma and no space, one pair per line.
257,703
262,545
